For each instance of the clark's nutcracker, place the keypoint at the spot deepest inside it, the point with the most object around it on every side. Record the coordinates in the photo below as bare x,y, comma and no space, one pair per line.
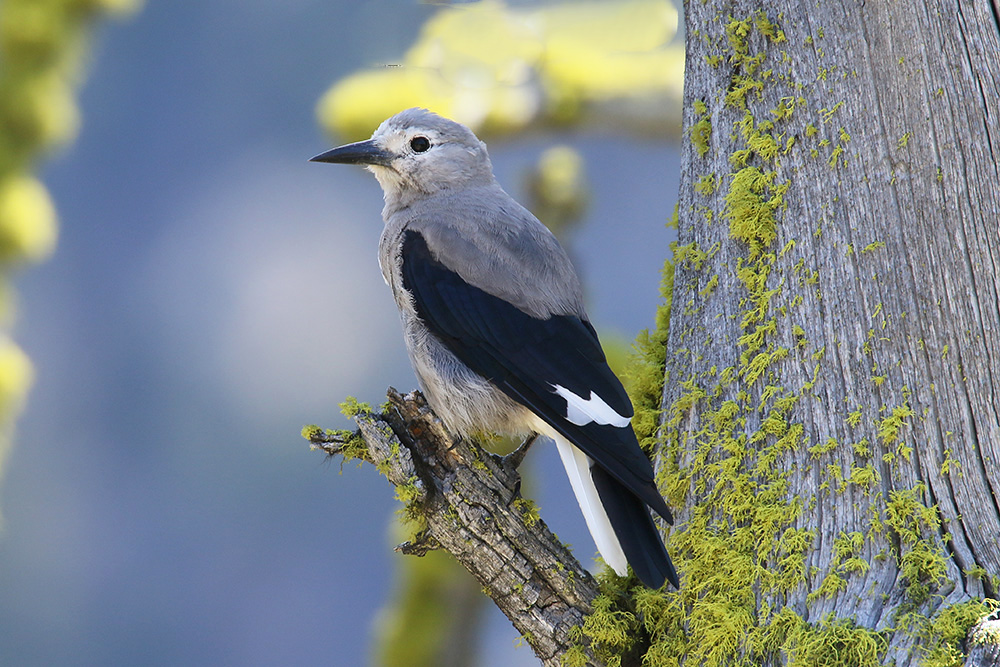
493,318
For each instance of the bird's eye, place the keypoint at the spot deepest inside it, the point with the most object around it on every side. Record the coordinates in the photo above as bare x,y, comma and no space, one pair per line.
420,144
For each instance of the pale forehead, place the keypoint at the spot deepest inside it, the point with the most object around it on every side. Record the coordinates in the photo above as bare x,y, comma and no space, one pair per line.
415,121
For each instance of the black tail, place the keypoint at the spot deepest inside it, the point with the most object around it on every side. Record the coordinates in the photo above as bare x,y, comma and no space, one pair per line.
635,530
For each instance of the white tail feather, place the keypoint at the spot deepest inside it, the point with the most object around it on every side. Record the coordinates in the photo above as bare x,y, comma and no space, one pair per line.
578,468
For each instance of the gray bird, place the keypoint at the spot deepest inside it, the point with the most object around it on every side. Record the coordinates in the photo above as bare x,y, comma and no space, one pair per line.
495,327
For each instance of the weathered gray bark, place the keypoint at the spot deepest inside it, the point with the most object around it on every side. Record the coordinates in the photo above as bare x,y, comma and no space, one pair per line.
984,640
877,309
466,495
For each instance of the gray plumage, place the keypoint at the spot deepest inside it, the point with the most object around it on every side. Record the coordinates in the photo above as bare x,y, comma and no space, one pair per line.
479,231
495,327
485,256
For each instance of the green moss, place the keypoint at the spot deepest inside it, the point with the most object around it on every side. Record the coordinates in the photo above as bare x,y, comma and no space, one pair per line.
644,372
769,29
945,634
312,432
529,511
890,427
612,629
817,451
826,115
764,146
709,286
832,584
706,184
786,105
743,86
701,135
835,642
948,463
736,33
574,657
350,444
409,492
834,160
750,208
690,255
410,495
866,477
351,407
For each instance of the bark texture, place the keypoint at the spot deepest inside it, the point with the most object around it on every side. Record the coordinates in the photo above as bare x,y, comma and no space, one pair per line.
470,503
831,407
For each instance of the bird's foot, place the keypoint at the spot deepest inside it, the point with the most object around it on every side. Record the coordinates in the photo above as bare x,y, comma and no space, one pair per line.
421,543
514,459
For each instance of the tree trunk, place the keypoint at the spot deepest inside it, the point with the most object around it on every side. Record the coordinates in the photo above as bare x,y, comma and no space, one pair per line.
831,416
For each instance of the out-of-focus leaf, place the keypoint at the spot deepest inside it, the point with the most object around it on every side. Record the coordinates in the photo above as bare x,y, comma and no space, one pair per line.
499,69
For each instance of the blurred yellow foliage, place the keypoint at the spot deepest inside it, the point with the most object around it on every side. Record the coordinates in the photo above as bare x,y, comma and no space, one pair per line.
27,220
42,49
15,379
560,175
41,111
557,188
15,374
498,68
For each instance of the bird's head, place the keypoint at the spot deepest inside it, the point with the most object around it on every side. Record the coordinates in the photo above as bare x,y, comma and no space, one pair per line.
417,153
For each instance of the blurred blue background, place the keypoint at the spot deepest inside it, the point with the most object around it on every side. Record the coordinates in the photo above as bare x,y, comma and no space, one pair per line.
212,292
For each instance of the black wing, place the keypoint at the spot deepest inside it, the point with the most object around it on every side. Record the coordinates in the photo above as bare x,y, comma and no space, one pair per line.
525,357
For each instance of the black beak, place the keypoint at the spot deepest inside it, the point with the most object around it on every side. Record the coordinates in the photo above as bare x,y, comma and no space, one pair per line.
362,152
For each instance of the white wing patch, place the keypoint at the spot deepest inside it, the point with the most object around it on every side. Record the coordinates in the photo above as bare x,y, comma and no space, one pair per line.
581,411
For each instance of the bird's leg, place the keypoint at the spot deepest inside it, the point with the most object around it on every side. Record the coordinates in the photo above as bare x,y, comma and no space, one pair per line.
513,460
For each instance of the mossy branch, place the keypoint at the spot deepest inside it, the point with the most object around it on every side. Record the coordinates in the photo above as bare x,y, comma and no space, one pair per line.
467,501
